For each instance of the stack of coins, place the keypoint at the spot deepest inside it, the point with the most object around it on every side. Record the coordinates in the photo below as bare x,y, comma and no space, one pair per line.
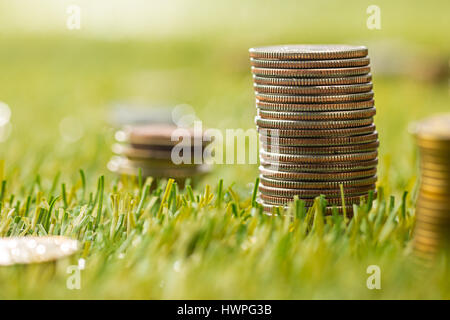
432,231
315,121
160,151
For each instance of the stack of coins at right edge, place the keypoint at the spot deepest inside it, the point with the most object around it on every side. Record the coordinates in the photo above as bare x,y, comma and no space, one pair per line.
432,230
315,121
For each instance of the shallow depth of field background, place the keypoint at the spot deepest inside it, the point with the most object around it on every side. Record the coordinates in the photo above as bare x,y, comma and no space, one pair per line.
60,84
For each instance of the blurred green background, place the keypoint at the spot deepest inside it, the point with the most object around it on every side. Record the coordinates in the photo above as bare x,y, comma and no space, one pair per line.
60,83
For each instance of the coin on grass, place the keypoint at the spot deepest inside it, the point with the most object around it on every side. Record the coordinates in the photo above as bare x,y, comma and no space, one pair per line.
30,250
320,176
314,107
271,209
133,152
332,141
309,64
163,134
310,73
316,184
294,133
279,98
314,90
312,81
312,193
330,201
308,52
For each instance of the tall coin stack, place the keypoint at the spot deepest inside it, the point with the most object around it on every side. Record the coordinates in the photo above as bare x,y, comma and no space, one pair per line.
149,148
315,121
432,231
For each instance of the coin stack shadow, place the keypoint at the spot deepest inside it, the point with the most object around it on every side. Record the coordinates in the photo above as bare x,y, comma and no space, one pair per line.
432,230
149,148
315,122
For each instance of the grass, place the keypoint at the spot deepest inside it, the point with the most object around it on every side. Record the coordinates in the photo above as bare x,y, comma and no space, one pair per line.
208,240
171,243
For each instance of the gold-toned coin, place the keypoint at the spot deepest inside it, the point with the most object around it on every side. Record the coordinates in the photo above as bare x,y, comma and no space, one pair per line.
30,250
434,129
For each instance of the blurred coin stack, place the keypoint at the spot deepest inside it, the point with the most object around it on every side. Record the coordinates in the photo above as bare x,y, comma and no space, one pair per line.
432,231
149,148
315,121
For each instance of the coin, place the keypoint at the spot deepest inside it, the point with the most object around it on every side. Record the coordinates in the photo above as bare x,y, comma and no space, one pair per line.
315,112
332,141
165,135
318,116
133,152
335,176
432,230
30,250
316,107
278,98
335,167
312,193
288,133
270,208
321,150
311,125
308,52
316,184
128,168
312,81
310,73
363,156
331,201
313,90
309,64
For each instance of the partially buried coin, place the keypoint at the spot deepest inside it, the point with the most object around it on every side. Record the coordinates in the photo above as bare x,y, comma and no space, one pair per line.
29,250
